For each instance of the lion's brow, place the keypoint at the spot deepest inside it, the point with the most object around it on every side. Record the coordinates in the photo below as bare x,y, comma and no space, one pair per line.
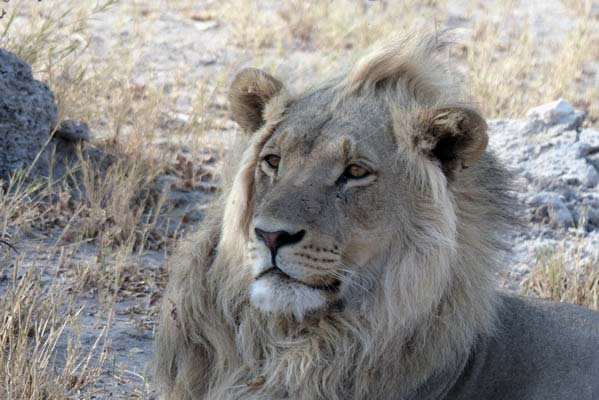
346,148
313,135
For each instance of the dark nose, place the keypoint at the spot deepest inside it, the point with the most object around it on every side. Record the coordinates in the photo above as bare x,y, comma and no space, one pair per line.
278,239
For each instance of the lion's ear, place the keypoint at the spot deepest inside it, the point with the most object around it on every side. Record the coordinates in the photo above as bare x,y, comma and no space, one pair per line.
249,93
455,136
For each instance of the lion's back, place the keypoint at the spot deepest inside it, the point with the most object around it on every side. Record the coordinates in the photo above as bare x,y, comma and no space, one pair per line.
541,350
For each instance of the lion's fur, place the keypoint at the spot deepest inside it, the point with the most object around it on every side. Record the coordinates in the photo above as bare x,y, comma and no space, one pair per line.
421,317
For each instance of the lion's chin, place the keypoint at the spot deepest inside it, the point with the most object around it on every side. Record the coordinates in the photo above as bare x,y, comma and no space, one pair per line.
271,295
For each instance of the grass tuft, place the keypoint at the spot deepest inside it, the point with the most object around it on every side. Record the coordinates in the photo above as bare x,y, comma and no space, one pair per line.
557,277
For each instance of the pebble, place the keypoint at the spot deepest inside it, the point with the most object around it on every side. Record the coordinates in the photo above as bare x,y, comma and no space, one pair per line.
73,130
591,176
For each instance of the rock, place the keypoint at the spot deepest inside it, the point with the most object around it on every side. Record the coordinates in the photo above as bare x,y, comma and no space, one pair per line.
592,216
205,25
28,114
591,177
552,210
560,166
556,166
584,149
557,115
551,113
73,131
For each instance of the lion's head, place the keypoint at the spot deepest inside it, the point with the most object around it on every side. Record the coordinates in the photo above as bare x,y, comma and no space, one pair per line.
349,176
356,250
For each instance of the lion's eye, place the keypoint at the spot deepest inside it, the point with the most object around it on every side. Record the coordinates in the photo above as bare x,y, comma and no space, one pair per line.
355,171
272,161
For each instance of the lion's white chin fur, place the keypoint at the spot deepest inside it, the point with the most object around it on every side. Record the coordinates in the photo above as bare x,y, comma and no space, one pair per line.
271,296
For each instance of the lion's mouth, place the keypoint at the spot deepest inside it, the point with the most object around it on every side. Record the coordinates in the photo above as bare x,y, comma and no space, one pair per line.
276,271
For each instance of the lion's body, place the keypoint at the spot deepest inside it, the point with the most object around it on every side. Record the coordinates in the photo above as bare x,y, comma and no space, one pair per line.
541,350
384,287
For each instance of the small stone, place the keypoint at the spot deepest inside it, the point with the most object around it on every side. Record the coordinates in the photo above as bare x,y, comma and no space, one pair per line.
136,350
73,131
560,217
522,268
205,25
591,177
590,219
582,149
593,216
572,180
550,204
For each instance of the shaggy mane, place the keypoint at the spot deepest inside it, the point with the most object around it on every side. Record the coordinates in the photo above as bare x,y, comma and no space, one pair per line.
425,316
408,65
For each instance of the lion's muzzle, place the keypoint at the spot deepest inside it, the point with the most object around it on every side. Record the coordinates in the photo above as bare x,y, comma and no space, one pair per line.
275,240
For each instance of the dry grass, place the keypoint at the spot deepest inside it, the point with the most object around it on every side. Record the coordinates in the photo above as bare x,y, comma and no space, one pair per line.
111,201
511,73
115,204
40,287
34,319
324,25
508,70
560,278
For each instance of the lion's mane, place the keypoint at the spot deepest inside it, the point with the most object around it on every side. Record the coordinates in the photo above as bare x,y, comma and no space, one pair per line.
423,318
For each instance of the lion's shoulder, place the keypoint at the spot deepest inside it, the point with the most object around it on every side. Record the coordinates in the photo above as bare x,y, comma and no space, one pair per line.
540,350
548,330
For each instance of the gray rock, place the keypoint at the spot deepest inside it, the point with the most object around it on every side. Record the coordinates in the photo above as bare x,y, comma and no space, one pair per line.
551,209
557,116
591,177
73,131
28,114
556,166
592,216
552,113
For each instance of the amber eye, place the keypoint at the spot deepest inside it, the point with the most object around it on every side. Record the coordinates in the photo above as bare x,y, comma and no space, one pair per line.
272,161
355,171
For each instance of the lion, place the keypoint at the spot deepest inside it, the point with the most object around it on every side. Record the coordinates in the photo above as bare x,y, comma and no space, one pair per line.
354,250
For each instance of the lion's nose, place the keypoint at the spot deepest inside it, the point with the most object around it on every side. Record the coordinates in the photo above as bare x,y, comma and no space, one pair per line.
278,239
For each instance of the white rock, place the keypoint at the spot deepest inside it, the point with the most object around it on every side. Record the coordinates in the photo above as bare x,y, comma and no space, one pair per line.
557,113
551,113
